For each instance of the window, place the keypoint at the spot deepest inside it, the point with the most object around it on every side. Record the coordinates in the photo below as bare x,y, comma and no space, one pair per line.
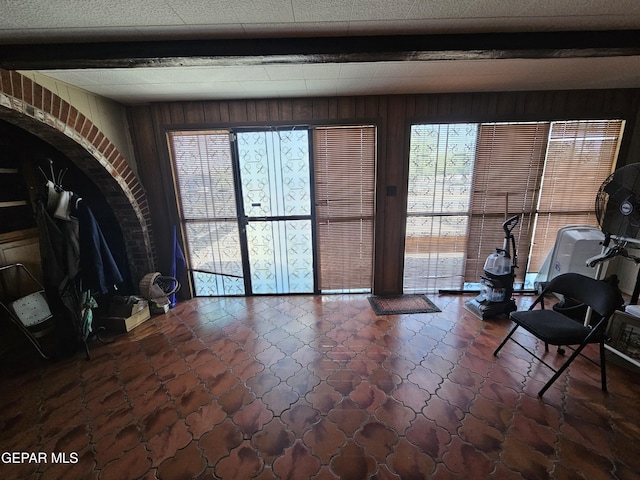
440,171
466,179
580,156
269,211
344,170
204,179
506,181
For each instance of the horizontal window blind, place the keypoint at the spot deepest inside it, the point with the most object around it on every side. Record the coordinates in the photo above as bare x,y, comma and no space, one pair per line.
507,175
203,174
547,173
344,179
441,163
580,156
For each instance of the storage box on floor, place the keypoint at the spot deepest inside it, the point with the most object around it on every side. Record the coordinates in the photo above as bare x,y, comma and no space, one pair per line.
126,314
624,337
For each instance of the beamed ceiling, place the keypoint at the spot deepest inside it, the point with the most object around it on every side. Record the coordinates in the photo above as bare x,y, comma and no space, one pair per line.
145,51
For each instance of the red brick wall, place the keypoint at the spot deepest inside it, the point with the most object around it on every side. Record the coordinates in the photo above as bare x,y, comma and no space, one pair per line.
44,114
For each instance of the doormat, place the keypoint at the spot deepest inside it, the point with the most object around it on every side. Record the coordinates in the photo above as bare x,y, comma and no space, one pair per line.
399,304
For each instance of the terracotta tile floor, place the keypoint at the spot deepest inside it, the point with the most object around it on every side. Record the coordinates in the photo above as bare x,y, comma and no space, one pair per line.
310,387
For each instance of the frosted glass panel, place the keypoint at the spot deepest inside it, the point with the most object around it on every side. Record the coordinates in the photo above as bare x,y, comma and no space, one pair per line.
281,256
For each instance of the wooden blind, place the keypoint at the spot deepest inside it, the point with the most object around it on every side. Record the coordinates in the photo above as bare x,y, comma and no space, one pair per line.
441,160
580,156
507,175
203,175
344,176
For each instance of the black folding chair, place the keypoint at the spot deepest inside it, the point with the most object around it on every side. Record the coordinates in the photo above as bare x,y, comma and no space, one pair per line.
554,328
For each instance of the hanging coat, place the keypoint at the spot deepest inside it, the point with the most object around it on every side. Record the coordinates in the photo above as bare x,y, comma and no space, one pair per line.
99,270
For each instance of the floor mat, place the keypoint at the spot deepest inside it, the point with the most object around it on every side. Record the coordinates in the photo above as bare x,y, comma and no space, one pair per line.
398,304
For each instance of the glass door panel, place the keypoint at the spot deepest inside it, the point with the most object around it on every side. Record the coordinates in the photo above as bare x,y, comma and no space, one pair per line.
440,173
274,172
280,256
214,249
203,171
275,187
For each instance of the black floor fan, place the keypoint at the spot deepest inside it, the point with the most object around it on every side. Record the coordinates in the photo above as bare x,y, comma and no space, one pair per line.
617,209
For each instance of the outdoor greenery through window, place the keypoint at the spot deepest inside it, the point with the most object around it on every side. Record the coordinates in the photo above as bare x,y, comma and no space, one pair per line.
466,179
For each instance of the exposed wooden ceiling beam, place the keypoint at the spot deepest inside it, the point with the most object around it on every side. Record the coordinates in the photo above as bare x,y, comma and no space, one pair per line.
320,50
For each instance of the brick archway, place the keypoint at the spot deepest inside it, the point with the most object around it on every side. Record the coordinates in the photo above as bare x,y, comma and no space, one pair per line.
45,115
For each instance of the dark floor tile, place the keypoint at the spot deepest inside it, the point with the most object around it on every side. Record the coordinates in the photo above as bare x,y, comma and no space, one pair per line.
112,446
300,418
353,462
272,440
165,445
132,464
348,416
186,463
378,439
280,398
159,419
408,461
484,438
242,462
518,457
235,398
218,443
324,439
296,462
252,417
205,419
323,398
320,388
429,437
467,460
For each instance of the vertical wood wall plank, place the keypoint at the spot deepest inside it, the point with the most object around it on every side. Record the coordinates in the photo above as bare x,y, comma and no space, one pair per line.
262,111
225,117
238,111
286,113
212,112
274,110
176,114
302,109
346,108
193,112
392,114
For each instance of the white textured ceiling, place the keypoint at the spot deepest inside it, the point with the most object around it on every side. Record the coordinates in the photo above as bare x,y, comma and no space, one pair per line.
50,21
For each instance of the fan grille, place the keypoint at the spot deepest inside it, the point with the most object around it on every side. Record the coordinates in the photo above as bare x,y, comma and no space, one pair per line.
617,203
601,200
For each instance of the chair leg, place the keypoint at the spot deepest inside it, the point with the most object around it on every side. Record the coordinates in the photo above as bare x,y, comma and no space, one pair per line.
603,367
495,353
564,366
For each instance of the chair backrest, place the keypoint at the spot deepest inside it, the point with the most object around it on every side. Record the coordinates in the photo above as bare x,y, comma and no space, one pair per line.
601,296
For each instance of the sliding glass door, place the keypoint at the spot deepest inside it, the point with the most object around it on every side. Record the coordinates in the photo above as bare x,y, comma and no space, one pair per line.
275,186
258,219
246,210
204,177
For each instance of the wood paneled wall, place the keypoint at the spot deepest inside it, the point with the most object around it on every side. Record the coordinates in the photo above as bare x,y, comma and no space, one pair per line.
393,116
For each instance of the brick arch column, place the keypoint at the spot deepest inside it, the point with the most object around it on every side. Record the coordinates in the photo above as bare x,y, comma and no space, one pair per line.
42,113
